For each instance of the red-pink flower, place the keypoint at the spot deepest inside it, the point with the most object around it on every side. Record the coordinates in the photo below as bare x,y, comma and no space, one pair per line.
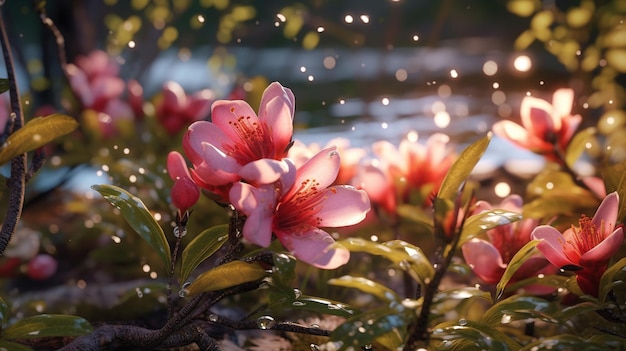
185,192
177,110
94,79
489,258
586,249
546,128
236,137
297,205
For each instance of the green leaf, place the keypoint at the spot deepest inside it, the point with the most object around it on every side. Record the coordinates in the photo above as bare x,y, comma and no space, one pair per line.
46,325
365,328
323,306
367,286
227,275
408,257
564,342
36,133
578,144
138,217
461,168
520,257
13,346
470,335
5,312
4,85
501,312
479,223
285,267
202,247
612,277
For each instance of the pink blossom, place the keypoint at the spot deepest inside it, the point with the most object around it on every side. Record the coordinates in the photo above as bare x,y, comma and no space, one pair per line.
185,192
220,150
546,128
377,183
94,80
586,249
177,110
297,205
489,258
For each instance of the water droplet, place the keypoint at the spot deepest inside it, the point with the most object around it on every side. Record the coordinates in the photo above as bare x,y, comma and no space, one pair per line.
184,290
298,303
265,322
213,317
506,318
297,293
180,232
139,292
314,347
367,347
462,322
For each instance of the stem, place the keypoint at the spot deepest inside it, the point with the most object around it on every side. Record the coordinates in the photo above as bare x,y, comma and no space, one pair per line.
17,180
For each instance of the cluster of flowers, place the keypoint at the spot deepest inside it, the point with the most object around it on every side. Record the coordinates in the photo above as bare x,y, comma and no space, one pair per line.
286,188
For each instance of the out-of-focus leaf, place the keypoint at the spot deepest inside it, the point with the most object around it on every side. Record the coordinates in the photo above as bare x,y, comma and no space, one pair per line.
479,223
365,328
227,275
415,214
367,286
323,306
501,312
4,85
285,267
4,313
520,257
461,168
470,335
578,144
564,342
407,256
46,325
612,277
581,308
138,217
202,247
36,133
13,346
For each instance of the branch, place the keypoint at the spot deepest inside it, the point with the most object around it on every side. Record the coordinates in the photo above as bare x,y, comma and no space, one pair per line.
17,181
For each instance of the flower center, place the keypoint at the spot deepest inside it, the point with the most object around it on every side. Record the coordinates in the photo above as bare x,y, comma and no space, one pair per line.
300,210
255,141
587,236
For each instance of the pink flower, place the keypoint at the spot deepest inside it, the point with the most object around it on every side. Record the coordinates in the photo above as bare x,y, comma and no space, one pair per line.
94,80
177,110
185,192
378,184
297,205
489,258
586,249
546,128
220,150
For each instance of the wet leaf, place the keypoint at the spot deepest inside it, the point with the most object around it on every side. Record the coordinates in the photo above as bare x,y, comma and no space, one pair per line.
612,277
323,306
500,312
365,328
520,257
461,168
367,286
563,342
202,247
285,267
470,335
13,346
46,325
578,144
479,223
4,85
138,217
36,133
227,275
408,257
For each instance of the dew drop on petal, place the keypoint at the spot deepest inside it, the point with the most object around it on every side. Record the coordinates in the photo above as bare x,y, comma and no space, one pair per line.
266,322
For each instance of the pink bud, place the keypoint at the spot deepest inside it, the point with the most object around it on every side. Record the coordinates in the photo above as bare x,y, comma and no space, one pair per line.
42,267
185,193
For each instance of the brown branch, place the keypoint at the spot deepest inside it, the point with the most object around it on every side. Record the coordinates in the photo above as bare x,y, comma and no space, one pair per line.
17,181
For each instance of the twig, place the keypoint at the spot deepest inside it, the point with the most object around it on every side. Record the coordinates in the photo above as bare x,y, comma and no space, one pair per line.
17,180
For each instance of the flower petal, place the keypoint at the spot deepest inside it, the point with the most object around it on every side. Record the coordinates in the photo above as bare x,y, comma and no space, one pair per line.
343,206
258,205
562,101
312,247
323,167
552,245
176,166
484,259
217,168
264,171
277,109
537,116
606,214
225,114
605,249
199,133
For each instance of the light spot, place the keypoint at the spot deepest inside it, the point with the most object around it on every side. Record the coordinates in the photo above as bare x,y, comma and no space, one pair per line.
522,63
348,19
490,68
